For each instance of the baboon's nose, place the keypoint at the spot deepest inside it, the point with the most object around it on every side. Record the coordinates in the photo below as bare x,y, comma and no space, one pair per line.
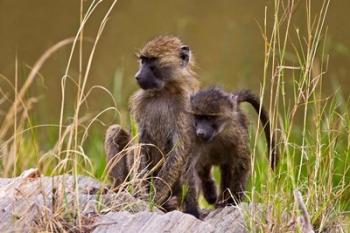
201,133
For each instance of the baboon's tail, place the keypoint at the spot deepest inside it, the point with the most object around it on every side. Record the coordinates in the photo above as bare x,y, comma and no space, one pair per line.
248,96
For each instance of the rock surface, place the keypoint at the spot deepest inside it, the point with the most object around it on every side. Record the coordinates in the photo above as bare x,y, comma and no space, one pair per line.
228,220
32,203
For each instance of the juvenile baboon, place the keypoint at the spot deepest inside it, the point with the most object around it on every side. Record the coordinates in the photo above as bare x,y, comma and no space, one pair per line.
167,80
222,139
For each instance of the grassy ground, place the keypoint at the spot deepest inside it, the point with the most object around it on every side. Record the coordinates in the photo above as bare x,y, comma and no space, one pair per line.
313,128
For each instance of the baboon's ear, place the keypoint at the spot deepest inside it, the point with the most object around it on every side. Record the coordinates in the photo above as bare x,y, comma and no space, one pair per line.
234,101
185,54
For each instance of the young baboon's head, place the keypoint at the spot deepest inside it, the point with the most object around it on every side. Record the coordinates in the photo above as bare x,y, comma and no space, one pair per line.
212,110
162,60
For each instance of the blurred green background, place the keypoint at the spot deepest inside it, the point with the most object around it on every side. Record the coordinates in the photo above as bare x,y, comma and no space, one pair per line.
224,35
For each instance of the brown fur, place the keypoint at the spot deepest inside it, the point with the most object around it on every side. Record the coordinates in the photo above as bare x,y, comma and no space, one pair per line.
116,140
226,144
161,117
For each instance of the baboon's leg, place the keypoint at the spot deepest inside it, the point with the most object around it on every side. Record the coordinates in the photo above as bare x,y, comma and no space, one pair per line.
230,187
191,193
235,173
233,180
208,184
115,141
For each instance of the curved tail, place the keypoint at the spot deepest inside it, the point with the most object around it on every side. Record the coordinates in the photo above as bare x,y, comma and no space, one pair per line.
248,96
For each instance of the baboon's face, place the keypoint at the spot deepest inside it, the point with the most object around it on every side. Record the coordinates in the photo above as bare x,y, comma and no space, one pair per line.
212,111
207,127
161,61
150,75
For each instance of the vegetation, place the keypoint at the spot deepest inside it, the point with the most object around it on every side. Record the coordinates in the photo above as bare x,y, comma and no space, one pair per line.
313,128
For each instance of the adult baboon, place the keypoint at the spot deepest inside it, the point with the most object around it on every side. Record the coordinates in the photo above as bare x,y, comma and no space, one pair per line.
167,80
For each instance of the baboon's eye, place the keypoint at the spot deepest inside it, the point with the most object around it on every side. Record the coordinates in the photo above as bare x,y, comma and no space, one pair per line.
210,118
198,117
214,126
145,59
152,68
152,59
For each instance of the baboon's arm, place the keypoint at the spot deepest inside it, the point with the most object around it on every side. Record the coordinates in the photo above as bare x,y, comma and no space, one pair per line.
173,166
169,173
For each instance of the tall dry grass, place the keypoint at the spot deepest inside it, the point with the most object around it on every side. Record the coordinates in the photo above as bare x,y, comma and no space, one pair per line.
312,127
67,155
